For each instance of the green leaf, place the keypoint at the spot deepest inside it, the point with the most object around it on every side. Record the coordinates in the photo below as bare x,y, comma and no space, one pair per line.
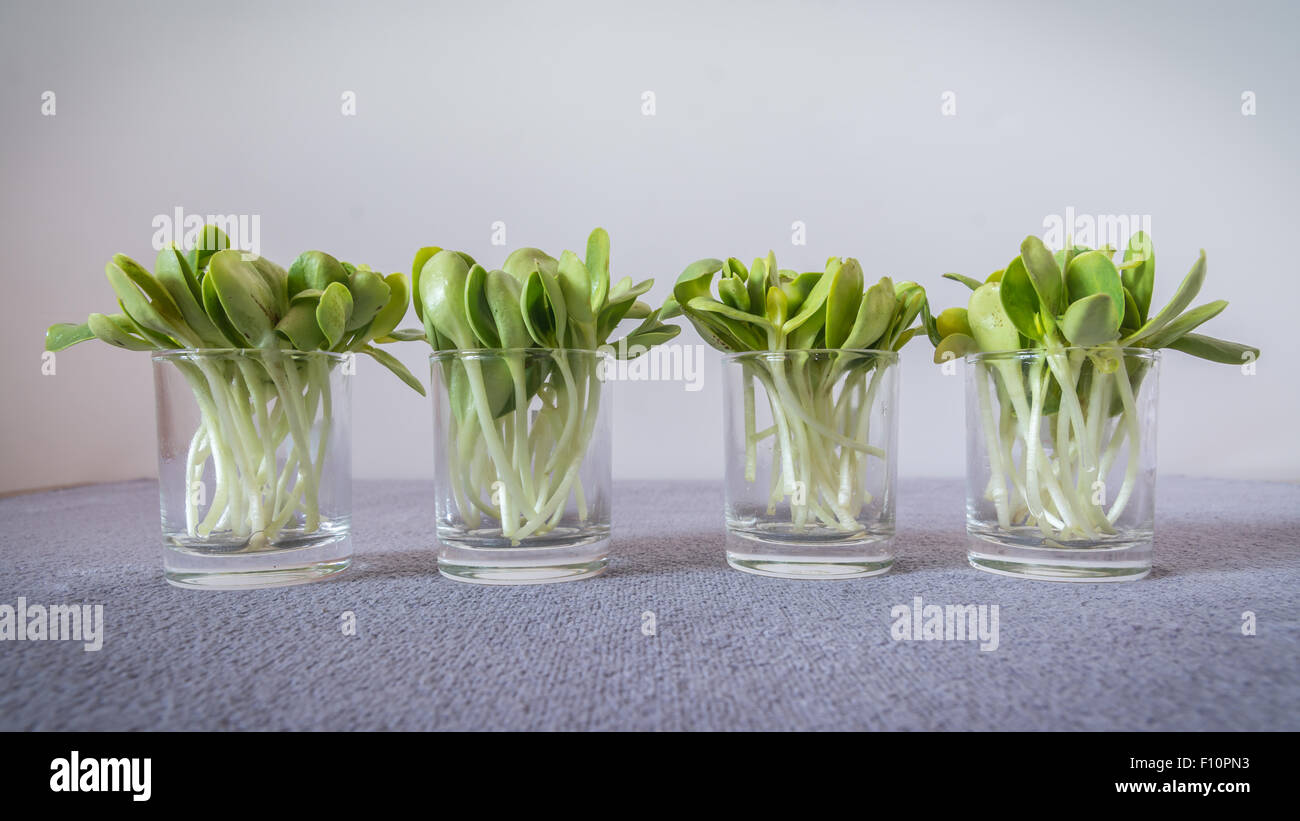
1091,321
521,263
696,280
315,269
422,256
1187,291
403,335
904,338
1020,300
110,329
952,321
503,296
1093,273
1132,313
1215,350
1044,274
910,301
755,284
478,313
797,288
638,342
875,313
389,361
814,302
162,318
159,298
576,291
173,273
777,306
842,302
734,292
392,312
332,312
1140,278
973,284
212,306
598,268
990,325
749,329
209,241
369,296
954,346
276,279
64,335
1184,324
246,298
300,326
442,292
542,306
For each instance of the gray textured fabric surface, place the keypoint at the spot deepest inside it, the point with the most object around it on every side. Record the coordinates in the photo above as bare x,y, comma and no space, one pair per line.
731,650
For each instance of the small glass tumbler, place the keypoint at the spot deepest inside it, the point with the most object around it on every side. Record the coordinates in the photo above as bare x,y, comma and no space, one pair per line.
1061,462
254,466
522,449
811,447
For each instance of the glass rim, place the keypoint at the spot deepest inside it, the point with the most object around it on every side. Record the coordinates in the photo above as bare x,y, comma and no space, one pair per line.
1151,354
256,353
491,353
736,356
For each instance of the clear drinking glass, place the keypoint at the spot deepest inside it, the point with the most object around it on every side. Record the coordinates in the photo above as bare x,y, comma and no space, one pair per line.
811,460
254,466
522,441
1061,462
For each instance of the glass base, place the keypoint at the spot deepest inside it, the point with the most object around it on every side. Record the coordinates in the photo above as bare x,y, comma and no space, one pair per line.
1123,563
187,567
803,560
523,565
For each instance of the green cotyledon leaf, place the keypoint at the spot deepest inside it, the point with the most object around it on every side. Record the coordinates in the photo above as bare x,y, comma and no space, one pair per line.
1093,273
248,301
64,335
391,363
1020,300
1091,321
503,296
1215,350
115,331
696,281
875,313
173,272
955,346
369,296
315,270
421,257
964,280
333,311
442,292
990,326
597,264
1139,274
299,324
391,314
1044,273
1187,291
478,313
842,302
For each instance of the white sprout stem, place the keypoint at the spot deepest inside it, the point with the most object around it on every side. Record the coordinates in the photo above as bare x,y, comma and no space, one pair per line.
241,428
820,441
1062,490
528,484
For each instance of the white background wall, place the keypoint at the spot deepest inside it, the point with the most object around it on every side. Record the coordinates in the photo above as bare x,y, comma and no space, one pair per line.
467,114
